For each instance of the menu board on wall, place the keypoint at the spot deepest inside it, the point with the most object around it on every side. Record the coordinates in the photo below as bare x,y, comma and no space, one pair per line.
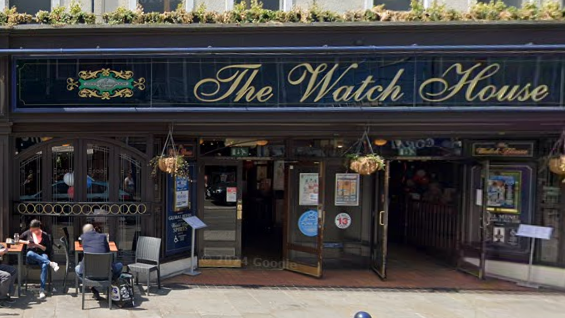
180,205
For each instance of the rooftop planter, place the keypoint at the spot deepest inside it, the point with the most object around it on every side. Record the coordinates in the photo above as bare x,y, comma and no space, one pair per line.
256,14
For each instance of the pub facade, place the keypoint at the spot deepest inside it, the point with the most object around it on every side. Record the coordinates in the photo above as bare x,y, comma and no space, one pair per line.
266,124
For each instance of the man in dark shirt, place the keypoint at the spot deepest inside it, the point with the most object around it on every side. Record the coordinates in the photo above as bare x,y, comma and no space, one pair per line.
94,242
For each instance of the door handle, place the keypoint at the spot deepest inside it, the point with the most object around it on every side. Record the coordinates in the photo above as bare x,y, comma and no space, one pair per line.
381,218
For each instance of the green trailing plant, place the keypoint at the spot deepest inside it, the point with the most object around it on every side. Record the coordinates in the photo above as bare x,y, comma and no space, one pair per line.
11,17
437,11
123,16
62,16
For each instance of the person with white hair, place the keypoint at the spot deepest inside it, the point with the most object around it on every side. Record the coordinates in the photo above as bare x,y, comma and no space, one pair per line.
94,242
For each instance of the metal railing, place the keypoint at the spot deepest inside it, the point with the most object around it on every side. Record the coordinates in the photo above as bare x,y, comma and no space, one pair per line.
82,208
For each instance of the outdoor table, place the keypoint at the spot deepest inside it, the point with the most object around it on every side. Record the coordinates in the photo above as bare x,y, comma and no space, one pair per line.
17,249
79,249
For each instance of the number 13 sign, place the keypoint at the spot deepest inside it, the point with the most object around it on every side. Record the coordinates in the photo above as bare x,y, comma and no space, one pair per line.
342,221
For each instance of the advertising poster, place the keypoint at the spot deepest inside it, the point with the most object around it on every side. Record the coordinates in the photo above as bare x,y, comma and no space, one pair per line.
347,189
182,200
231,194
308,189
503,192
180,204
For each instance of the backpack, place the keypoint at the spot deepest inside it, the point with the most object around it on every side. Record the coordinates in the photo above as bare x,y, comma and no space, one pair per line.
122,292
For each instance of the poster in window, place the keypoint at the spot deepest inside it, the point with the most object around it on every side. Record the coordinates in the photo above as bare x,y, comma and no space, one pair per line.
308,189
503,192
347,189
182,200
231,194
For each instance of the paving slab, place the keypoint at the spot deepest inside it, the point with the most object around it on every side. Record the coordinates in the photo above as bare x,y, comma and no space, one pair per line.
176,301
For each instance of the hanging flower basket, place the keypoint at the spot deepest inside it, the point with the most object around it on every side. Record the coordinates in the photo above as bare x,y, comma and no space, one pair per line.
557,165
556,158
366,164
171,163
364,160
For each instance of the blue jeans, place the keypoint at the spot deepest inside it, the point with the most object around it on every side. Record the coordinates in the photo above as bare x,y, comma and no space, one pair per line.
116,271
35,259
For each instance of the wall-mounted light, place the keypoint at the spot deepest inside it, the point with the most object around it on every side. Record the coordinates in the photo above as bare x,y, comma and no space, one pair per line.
380,142
262,142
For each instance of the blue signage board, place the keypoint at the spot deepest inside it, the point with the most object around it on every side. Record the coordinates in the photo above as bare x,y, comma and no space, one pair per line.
290,81
181,203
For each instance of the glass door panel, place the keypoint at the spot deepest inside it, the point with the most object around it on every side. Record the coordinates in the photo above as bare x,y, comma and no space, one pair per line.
220,242
379,243
63,168
305,219
472,252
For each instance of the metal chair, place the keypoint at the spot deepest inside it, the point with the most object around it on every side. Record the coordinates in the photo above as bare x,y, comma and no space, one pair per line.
97,272
69,263
147,254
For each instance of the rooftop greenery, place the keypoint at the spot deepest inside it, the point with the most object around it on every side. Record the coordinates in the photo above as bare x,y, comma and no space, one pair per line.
495,10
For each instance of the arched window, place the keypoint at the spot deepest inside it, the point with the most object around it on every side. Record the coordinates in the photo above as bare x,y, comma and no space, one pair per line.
70,182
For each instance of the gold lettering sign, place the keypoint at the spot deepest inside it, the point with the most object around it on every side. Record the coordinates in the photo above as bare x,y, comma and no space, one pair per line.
239,85
503,149
326,80
331,82
468,83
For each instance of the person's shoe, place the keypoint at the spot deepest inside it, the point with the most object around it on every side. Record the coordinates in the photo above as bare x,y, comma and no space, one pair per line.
4,304
95,293
8,300
54,266
42,295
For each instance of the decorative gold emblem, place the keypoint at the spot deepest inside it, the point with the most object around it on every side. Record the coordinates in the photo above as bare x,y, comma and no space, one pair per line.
105,84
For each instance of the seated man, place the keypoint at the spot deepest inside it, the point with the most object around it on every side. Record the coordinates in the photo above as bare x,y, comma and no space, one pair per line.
7,278
94,242
39,247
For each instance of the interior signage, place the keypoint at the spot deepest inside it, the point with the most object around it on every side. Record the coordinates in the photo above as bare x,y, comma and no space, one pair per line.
503,149
286,81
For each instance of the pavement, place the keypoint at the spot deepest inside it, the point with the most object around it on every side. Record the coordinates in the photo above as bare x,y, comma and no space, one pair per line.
195,301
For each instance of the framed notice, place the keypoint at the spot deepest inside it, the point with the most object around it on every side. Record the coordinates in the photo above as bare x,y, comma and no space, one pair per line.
182,198
308,188
347,189
503,193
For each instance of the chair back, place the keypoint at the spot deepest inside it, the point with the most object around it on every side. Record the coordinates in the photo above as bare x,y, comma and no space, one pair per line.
148,249
65,245
66,232
97,266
